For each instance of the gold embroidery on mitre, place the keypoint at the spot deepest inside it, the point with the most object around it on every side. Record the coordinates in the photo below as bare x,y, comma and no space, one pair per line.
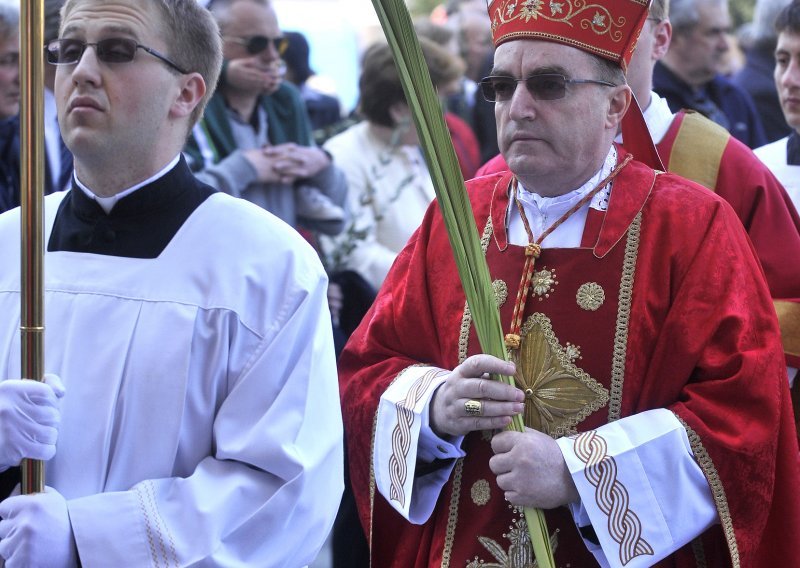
481,492
520,551
596,17
590,296
543,282
558,395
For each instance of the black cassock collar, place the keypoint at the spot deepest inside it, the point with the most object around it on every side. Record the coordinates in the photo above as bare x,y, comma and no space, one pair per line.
140,225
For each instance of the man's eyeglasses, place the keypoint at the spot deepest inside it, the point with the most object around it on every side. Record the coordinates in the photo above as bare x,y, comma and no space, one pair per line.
543,87
257,44
110,50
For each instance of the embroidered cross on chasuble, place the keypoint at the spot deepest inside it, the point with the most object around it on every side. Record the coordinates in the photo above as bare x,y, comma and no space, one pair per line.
558,394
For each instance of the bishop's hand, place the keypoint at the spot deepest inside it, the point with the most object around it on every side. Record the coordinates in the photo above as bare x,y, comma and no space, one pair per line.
469,400
530,468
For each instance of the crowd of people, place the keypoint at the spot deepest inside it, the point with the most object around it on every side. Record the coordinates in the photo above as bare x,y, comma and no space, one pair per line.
289,352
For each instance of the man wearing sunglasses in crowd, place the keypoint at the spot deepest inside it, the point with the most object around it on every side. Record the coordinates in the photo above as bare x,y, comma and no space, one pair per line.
698,149
254,140
186,416
641,336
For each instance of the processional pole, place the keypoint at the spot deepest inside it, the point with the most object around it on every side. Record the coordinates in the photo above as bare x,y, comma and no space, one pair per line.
32,194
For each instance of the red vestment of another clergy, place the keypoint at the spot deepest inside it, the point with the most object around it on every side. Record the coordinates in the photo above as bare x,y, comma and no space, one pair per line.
663,306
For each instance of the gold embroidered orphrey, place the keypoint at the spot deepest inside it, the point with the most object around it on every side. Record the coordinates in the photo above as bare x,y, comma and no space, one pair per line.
558,394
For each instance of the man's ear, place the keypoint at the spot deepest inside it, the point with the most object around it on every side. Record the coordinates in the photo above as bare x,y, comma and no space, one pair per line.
663,37
192,89
619,101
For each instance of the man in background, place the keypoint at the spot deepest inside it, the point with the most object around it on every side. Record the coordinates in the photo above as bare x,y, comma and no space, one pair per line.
254,140
688,75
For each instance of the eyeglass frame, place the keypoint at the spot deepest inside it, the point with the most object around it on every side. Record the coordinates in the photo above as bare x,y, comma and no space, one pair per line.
280,43
85,44
531,92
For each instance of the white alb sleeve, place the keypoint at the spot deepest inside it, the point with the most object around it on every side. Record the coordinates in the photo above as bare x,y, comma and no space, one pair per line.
412,464
642,493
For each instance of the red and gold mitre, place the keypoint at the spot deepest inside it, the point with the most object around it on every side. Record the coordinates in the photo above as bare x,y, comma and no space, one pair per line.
607,28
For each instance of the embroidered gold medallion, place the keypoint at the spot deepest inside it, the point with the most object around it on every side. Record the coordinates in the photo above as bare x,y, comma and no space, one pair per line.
591,296
543,282
481,492
558,395
500,289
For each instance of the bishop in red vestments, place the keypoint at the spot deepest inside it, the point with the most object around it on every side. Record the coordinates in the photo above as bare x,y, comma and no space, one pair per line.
648,359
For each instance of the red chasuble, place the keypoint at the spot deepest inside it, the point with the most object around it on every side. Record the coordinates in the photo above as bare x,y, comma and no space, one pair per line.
663,306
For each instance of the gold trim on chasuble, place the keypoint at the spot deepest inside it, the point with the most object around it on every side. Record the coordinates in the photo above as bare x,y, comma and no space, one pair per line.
717,491
789,320
582,387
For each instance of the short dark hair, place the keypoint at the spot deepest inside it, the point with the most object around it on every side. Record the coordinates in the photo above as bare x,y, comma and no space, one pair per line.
379,85
788,19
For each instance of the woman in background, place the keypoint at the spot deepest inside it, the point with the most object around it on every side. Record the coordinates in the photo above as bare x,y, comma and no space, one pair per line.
389,183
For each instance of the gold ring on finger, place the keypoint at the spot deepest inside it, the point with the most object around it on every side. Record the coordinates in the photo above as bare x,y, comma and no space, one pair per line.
473,408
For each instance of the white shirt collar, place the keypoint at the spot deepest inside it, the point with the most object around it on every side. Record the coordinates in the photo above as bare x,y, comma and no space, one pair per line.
107,203
657,116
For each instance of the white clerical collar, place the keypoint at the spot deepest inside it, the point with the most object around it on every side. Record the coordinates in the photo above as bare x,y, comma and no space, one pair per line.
560,204
107,203
544,211
657,116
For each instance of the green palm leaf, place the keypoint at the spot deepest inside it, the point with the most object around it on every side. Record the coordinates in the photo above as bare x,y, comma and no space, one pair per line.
456,210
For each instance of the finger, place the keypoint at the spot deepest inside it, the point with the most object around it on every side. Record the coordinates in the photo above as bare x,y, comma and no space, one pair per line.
503,442
477,424
30,391
44,413
55,383
481,389
490,408
500,465
477,365
514,498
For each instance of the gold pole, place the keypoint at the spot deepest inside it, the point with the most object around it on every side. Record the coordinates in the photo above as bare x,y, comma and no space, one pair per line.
32,190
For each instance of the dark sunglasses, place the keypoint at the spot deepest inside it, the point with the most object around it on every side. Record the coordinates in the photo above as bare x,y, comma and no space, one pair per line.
257,44
110,50
543,87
